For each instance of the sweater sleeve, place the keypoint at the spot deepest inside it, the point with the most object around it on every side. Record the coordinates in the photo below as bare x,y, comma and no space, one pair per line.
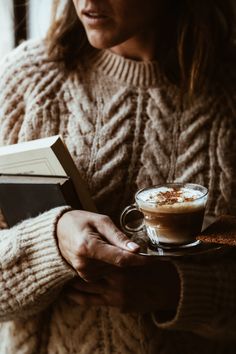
32,269
207,303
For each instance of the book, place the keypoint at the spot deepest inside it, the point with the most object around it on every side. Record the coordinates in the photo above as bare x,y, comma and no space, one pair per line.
45,157
26,196
222,231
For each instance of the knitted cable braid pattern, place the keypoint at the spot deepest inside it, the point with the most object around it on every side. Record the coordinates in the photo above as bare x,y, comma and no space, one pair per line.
122,124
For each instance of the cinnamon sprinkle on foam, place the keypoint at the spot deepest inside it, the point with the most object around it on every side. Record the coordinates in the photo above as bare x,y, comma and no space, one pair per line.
172,196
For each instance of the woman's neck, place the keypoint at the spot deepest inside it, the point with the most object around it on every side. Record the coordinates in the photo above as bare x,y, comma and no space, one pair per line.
140,48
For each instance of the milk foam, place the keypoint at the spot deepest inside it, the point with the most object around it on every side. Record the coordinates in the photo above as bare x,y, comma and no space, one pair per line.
158,198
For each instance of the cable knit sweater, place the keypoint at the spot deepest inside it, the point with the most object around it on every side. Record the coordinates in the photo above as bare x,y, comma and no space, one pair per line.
122,124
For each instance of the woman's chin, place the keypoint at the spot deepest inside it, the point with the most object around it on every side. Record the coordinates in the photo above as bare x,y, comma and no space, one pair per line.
100,44
99,41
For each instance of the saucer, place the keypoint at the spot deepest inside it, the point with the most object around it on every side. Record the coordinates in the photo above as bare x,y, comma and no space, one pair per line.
197,249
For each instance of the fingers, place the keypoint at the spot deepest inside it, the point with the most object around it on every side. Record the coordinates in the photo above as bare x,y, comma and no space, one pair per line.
86,299
91,294
80,220
98,249
106,227
90,269
80,285
95,294
84,293
84,237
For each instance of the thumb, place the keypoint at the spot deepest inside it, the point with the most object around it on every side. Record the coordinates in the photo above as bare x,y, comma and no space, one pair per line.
108,229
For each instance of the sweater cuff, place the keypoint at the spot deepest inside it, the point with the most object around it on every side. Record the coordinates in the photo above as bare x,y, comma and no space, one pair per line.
38,240
195,308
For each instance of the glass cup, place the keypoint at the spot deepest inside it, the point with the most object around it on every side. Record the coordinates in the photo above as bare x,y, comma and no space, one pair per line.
171,214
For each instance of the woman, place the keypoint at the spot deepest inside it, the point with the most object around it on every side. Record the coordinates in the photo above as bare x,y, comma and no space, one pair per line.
143,93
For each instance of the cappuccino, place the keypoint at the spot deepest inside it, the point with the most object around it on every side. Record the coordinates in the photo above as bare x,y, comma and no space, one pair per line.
173,214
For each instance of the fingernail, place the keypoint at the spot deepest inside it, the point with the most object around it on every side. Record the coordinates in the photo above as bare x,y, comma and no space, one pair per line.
132,246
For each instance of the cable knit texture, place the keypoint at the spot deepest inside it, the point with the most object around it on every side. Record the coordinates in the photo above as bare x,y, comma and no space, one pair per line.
123,126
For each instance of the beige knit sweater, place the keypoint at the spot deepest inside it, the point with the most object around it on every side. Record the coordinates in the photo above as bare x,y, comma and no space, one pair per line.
123,127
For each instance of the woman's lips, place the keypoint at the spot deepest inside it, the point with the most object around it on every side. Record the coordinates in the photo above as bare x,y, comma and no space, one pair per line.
94,18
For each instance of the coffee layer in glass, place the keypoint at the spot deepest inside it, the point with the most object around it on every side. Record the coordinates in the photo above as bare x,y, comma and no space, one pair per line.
173,214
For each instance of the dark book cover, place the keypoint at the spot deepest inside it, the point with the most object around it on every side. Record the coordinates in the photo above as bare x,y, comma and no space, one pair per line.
23,197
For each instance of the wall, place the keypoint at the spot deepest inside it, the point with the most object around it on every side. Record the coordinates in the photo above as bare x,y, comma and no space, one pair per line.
6,27
39,15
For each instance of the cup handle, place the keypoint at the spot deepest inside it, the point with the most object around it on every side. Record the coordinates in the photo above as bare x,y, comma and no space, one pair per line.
129,209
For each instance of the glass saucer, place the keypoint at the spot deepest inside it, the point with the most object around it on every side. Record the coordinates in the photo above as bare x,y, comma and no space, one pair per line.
197,249
168,247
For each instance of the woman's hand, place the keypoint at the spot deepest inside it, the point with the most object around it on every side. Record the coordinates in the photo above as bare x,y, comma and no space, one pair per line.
152,287
92,244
